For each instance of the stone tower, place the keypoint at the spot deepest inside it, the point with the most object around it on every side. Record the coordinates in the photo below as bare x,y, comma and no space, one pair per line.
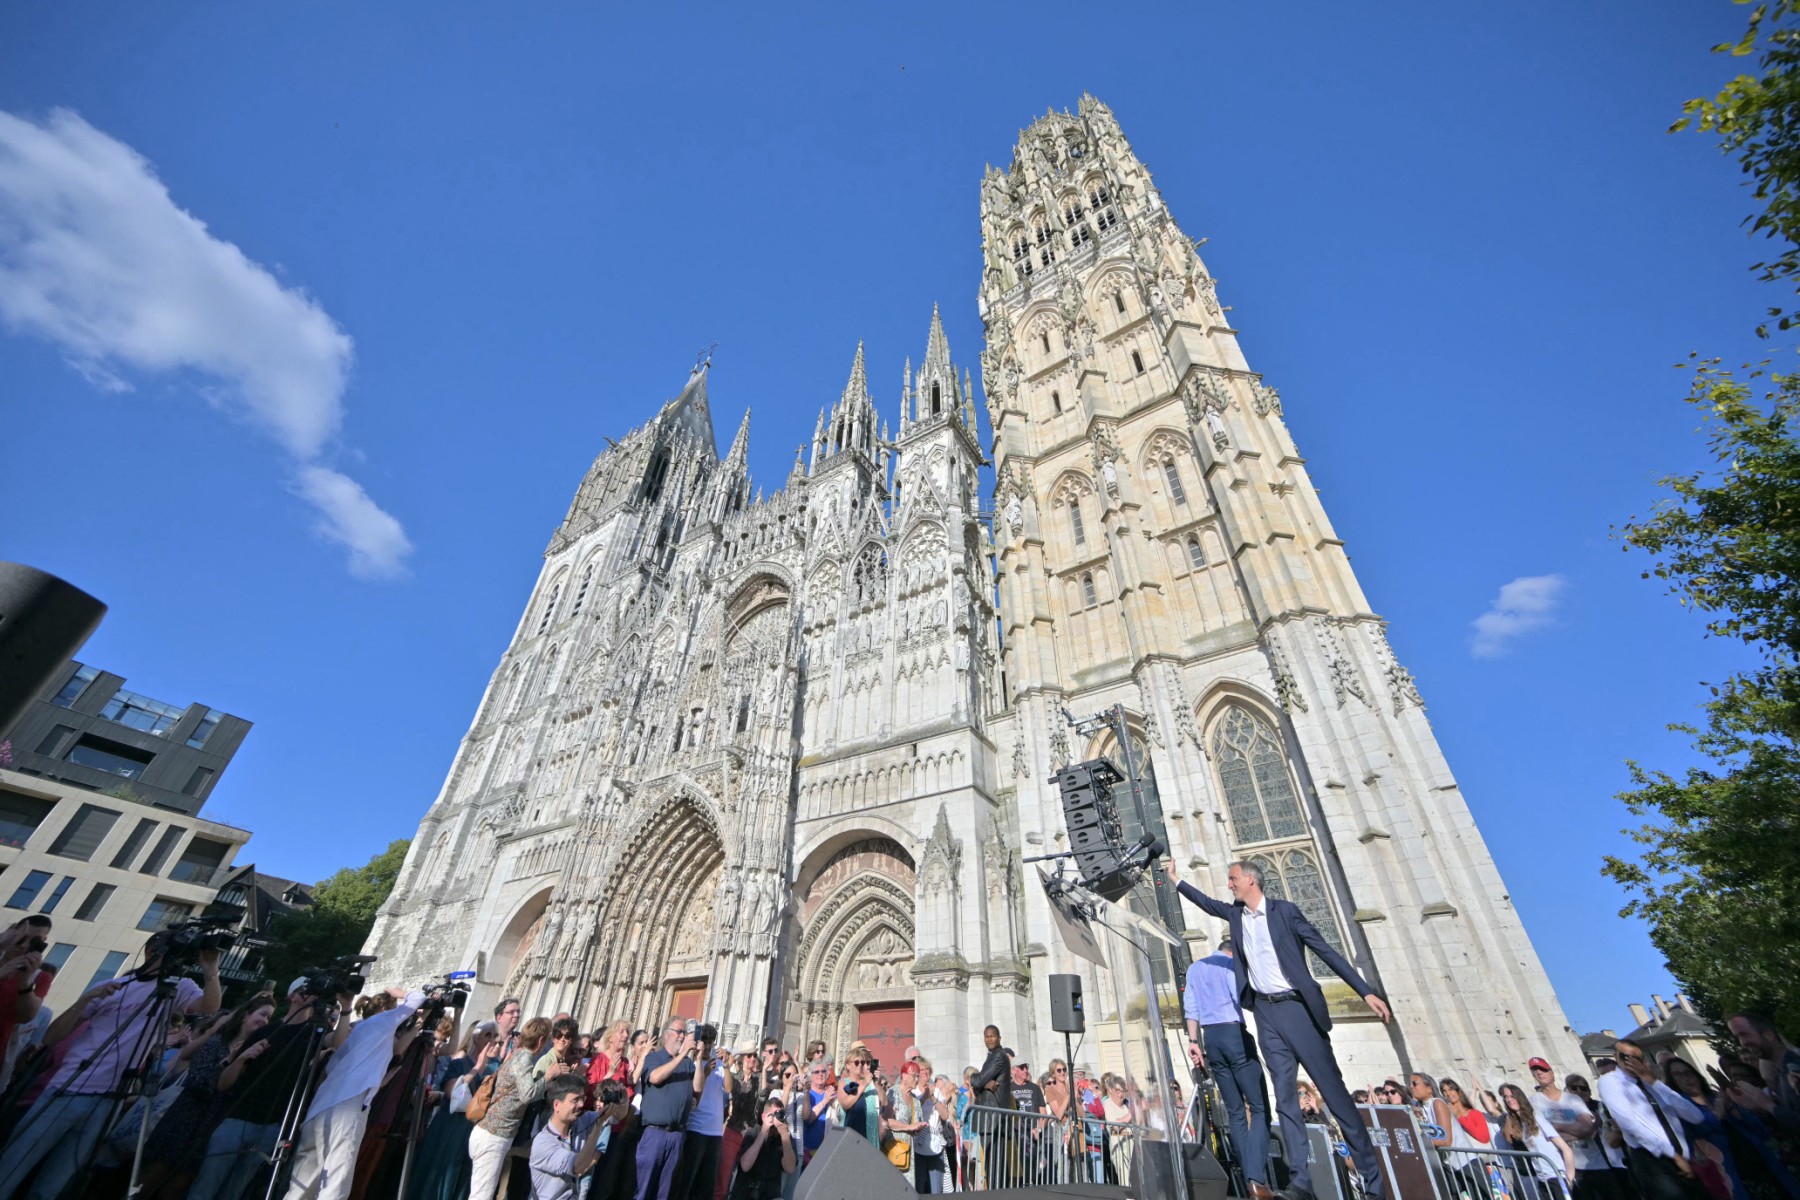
1161,546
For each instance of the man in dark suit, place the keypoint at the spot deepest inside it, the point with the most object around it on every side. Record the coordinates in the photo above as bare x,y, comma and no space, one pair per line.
1291,1019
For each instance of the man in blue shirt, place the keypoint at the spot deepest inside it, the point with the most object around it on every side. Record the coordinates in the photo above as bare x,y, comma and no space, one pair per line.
670,1084
1217,1040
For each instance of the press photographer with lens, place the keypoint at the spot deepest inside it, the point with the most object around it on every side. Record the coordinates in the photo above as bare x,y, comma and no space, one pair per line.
111,1030
260,1086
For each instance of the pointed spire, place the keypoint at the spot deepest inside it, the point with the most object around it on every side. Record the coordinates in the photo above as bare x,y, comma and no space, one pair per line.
937,347
906,393
799,471
968,402
858,387
740,445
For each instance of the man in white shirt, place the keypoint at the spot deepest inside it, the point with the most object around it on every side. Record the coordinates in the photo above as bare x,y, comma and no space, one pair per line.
325,1152
1649,1114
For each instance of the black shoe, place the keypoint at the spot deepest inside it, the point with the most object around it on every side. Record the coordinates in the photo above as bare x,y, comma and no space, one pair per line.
1295,1192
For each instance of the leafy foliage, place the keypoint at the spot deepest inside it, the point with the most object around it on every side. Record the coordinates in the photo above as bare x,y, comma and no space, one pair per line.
1719,880
1757,117
339,920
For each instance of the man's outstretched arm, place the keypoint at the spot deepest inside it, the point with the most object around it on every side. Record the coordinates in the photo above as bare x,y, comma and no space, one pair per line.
1310,936
1217,908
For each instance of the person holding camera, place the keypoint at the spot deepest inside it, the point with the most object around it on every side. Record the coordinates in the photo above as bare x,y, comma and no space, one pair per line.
516,1088
23,981
111,1030
767,1158
859,1100
671,1079
332,1133
697,1176
572,1140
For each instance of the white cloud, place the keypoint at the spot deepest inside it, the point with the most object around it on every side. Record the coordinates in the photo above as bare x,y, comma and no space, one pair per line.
96,258
1526,604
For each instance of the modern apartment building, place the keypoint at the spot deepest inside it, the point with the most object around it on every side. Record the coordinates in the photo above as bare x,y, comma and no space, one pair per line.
99,824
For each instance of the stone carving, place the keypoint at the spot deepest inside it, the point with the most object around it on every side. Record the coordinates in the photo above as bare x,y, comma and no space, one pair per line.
1287,688
1264,399
1402,688
1344,679
1059,743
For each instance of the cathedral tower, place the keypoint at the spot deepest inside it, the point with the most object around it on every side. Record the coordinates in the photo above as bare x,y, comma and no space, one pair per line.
1161,546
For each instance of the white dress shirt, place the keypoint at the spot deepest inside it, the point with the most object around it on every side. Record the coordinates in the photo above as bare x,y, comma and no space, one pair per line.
1632,1111
1259,952
356,1068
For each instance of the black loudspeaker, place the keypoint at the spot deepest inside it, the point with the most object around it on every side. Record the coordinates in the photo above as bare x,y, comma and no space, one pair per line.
43,622
1204,1178
846,1167
1065,1004
1091,816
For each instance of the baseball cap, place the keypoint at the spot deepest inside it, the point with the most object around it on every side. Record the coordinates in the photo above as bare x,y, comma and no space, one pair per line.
299,985
1538,1064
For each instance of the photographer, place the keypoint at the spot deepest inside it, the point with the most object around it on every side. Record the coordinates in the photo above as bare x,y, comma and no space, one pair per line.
767,1157
255,1088
23,982
110,1032
331,1135
671,1080
516,1089
698,1175
571,1142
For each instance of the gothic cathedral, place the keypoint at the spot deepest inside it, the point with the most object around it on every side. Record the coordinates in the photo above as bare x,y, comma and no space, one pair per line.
775,760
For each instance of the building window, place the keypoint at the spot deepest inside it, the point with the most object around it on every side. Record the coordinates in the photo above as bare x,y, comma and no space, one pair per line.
26,893
1137,362
204,730
1075,524
1119,300
587,577
134,842
549,608
160,855
1196,556
1021,250
78,682
1089,596
1056,401
83,835
937,398
109,968
743,713
200,861
657,475
96,900
163,913
141,713
1172,473
59,954
53,742
55,898
198,782
1079,235
1044,339
1100,202
1253,774
20,816
104,754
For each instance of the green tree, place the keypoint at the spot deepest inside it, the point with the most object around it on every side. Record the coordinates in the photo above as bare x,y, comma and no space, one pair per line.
338,921
1718,879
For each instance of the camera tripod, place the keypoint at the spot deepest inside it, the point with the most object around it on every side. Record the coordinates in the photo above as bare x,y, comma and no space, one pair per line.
319,1023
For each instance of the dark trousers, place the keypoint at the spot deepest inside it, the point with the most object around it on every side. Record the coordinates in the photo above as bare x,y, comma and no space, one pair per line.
1596,1184
658,1154
1657,1178
697,1177
1290,1041
1231,1057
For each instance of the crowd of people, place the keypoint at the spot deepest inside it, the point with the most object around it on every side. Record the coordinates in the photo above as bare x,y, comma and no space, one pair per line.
320,1093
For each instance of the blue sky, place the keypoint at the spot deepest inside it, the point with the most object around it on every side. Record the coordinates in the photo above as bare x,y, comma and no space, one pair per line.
473,242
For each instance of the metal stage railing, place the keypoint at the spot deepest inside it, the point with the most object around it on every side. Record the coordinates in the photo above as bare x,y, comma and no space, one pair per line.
1006,1149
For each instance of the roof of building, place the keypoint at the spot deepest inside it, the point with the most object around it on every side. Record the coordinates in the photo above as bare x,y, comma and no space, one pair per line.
1680,1023
270,895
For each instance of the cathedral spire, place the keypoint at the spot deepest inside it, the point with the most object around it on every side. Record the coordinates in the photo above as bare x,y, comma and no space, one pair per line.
937,377
740,445
906,394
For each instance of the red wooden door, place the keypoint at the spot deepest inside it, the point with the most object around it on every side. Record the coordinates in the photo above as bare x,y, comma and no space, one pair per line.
887,1030
689,1001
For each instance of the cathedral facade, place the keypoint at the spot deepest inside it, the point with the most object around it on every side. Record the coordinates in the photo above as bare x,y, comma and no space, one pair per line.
775,760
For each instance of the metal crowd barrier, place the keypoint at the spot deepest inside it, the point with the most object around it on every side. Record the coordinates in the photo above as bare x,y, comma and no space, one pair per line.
1487,1173
1006,1149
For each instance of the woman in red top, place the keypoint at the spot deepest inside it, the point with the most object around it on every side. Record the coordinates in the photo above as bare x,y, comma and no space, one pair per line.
609,1057
1472,1119
616,1176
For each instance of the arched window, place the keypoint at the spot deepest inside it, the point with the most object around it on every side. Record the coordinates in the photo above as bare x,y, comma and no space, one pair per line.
1100,201
1253,774
1172,473
587,578
937,398
1137,362
658,472
1040,234
743,712
549,608
1119,300
1045,339
1021,251
1056,401
1075,524
1089,596
1196,556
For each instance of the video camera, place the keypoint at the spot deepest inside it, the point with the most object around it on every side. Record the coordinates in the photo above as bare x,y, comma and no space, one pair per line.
449,994
183,942
344,977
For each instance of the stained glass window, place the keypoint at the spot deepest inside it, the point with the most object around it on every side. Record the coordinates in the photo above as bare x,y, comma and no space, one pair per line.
1259,796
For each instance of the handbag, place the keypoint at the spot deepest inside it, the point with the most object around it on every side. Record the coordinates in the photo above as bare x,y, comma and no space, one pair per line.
483,1097
898,1152
459,1095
